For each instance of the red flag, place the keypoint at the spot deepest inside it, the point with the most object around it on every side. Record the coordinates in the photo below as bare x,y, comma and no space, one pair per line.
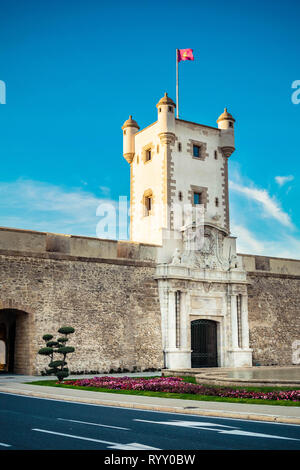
185,54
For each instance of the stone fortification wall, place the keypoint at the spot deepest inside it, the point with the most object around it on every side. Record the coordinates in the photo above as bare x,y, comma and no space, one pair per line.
101,288
107,291
274,309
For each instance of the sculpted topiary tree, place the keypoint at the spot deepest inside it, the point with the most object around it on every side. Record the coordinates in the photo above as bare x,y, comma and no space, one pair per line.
57,367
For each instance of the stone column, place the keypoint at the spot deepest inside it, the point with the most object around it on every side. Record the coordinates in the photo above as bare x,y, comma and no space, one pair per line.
183,320
171,321
245,324
164,299
239,356
234,325
177,356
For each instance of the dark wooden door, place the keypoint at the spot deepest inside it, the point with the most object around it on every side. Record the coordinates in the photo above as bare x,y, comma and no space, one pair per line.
204,343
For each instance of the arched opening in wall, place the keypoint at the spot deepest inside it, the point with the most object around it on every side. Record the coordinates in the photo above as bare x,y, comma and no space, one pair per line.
2,347
15,342
204,343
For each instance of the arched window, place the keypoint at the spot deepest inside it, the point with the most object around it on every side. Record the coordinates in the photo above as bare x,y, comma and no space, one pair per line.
147,153
148,202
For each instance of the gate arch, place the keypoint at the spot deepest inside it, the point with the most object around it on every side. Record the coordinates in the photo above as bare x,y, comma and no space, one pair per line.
17,334
2,347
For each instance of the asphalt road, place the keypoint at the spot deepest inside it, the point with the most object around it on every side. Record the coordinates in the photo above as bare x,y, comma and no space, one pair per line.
40,424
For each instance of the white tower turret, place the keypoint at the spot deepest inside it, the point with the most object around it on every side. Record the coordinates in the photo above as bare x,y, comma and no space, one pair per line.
130,128
226,124
166,116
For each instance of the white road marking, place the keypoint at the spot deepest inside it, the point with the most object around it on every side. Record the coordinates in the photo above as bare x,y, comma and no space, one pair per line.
210,427
93,424
187,424
256,434
4,445
133,446
115,445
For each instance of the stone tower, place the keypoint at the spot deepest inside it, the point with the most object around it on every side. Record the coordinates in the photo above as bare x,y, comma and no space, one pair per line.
175,163
179,169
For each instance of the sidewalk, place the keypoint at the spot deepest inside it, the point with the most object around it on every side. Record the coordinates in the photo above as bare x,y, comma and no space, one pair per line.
280,414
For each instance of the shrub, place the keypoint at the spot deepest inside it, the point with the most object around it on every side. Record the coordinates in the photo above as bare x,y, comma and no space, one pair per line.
62,340
46,351
57,363
52,344
57,347
66,330
47,337
65,349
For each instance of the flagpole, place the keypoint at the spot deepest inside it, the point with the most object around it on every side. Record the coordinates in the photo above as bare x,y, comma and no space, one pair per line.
177,100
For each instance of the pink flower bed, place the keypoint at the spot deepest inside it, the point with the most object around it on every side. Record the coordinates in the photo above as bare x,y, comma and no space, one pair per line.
177,385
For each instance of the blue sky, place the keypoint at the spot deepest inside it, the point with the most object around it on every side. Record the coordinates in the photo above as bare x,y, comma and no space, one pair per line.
74,71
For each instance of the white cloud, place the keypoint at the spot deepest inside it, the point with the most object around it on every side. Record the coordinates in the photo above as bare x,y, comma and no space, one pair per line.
281,180
246,241
45,197
269,204
286,246
105,190
277,238
45,207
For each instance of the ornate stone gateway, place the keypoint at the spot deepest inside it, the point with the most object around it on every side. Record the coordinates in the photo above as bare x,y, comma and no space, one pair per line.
204,285
204,343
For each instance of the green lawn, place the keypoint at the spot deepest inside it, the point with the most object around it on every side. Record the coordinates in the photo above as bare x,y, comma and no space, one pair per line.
184,396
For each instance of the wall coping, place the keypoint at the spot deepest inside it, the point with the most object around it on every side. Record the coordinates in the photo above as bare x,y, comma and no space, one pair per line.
118,243
66,257
84,237
272,274
269,257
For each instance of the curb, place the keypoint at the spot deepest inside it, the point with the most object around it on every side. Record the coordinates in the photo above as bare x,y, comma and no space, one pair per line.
162,408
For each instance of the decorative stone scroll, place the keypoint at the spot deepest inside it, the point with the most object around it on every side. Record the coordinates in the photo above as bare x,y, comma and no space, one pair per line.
203,248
